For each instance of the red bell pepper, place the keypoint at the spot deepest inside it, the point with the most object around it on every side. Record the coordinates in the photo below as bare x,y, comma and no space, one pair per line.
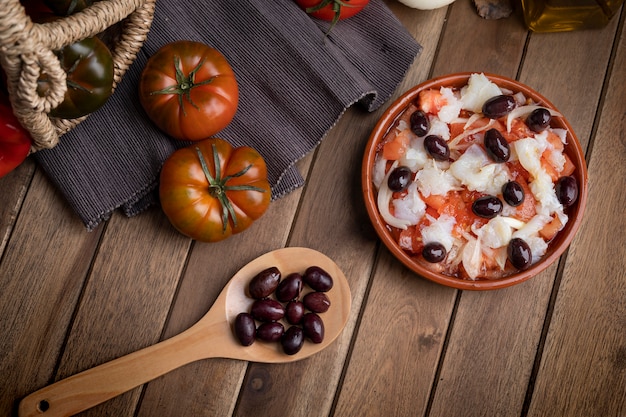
15,141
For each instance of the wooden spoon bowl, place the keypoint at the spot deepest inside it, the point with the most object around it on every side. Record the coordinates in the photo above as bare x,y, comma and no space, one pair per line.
211,337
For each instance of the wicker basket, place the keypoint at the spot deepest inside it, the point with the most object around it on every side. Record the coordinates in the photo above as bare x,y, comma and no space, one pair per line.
26,50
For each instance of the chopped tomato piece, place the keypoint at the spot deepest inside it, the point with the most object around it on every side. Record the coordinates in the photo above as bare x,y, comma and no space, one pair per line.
456,129
396,147
518,171
551,229
461,210
431,101
568,167
411,239
435,201
431,212
549,168
555,141
519,130
470,196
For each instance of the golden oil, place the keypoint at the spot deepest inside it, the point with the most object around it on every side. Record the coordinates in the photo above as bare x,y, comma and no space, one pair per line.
567,15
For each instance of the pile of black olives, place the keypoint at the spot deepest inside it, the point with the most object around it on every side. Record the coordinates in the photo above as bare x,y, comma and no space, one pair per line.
278,301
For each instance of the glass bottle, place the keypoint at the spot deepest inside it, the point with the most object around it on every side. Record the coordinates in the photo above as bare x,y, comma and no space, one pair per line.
566,15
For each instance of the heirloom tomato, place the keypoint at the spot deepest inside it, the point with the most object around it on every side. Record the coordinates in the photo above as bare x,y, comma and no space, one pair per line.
15,141
332,10
211,190
89,67
189,90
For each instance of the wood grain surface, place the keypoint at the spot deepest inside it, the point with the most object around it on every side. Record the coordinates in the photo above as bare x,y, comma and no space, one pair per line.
552,346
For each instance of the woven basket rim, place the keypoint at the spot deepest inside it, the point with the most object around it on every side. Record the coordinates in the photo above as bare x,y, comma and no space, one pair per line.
27,50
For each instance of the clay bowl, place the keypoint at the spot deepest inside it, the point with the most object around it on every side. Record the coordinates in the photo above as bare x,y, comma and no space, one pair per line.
556,247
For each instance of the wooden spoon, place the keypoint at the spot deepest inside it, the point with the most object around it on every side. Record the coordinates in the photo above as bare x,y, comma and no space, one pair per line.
211,337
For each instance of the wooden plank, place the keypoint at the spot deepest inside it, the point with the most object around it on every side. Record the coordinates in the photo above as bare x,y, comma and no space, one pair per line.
333,203
569,70
495,335
375,383
405,319
41,274
126,299
399,389
211,387
295,389
583,368
13,188
495,46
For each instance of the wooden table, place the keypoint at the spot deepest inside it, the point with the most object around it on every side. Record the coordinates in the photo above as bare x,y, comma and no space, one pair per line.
553,346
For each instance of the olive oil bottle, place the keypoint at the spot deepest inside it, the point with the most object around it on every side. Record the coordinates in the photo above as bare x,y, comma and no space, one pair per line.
567,15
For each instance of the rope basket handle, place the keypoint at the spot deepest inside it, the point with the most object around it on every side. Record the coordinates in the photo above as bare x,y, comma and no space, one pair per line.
27,50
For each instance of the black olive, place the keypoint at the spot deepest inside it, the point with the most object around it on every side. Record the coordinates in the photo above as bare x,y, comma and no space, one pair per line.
566,190
519,253
513,193
434,252
496,146
292,340
399,179
437,147
245,328
419,123
538,120
487,207
498,106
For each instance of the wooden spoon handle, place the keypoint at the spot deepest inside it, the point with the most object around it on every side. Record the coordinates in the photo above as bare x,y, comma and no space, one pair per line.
101,383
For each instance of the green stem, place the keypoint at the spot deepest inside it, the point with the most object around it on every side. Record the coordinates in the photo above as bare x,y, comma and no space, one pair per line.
218,187
184,84
336,6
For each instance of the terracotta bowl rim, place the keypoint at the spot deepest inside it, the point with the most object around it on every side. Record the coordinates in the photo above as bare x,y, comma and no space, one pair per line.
556,248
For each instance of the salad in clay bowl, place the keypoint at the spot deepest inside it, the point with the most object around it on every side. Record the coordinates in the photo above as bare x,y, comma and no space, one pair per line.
474,181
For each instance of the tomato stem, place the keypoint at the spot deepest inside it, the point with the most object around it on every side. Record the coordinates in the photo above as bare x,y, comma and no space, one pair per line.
71,83
336,6
184,84
218,187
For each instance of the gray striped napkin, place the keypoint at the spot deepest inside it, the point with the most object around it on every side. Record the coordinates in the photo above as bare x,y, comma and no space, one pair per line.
294,86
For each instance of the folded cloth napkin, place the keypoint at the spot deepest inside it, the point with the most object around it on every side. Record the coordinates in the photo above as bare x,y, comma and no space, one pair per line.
294,84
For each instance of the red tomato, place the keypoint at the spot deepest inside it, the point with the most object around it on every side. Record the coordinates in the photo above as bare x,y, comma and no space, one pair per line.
15,141
332,10
189,90
211,190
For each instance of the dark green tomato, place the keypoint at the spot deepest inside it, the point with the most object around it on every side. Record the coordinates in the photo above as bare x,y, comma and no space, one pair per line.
89,67
67,7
